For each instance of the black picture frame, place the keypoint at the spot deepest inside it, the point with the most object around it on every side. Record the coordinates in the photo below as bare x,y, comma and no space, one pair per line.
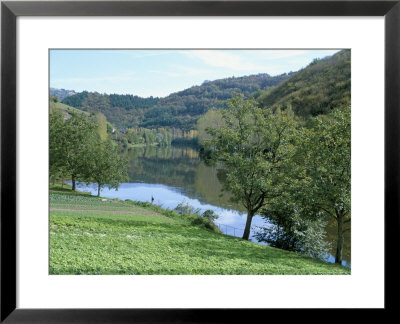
10,10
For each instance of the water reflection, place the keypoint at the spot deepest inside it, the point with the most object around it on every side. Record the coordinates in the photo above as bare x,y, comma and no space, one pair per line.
230,221
178,167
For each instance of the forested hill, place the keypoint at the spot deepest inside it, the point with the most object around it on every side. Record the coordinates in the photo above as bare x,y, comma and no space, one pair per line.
323,85
120,110
178,110
182,109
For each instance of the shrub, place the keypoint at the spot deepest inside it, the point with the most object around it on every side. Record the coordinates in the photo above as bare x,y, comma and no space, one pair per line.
184,208
288,229
210,215
193,215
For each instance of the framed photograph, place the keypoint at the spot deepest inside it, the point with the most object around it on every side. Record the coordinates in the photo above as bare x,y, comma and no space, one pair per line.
162,161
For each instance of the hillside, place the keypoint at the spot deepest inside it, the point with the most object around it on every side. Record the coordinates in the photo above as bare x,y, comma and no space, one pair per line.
183,109
120,110
178,110
66,110
321,86
90,235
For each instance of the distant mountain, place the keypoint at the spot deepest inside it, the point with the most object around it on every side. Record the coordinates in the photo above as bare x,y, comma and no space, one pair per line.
61,94
178,110
317,89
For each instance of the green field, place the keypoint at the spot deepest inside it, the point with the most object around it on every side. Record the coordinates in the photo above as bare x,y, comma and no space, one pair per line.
90,235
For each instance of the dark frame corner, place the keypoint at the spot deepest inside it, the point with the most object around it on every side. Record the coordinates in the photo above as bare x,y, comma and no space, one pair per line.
10,10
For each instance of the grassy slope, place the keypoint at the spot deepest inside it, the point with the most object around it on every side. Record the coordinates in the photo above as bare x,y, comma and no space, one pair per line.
66,110
92,236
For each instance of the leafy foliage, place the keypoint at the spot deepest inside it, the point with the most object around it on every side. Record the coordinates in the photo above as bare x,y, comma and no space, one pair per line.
145,136
101,122
70,142
77,150
213,118
291,229
207,217
252,148
210,215
326,153
106,166
316,186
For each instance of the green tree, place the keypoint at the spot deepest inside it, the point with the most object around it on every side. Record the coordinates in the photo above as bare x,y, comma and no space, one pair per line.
327,167
251,148
54,99
57,164
213,118
149,137
55,125
107,166
101,121
70,142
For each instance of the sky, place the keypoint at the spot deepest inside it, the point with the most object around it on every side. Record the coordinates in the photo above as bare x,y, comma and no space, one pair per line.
158,73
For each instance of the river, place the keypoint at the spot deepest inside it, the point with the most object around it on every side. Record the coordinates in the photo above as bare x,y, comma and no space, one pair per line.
176,174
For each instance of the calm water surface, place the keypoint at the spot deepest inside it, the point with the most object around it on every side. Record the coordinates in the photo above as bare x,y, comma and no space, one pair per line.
176,174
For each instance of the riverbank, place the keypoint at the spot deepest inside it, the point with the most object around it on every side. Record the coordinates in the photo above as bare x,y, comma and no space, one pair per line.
143,145
90,235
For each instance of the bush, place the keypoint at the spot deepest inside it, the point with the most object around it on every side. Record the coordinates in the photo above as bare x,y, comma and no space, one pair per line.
210,215
193,215
184,208
288,229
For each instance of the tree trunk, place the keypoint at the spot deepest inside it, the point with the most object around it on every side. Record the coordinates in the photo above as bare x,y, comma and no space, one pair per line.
246,233
98,190
340,239
73,183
